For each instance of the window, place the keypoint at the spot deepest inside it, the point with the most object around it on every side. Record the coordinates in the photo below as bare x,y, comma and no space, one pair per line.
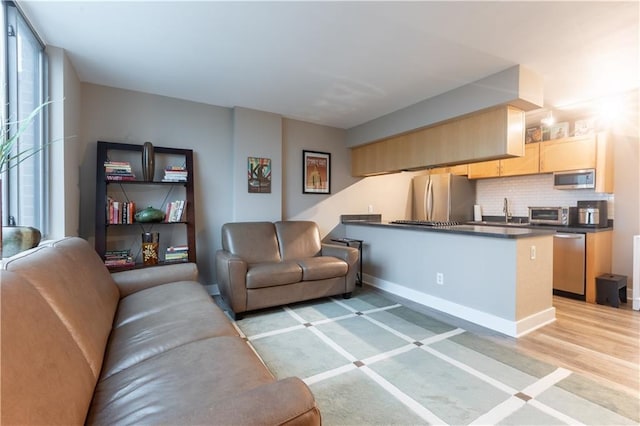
24,184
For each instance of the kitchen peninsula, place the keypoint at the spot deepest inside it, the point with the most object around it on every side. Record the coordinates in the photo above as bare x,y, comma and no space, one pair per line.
496,277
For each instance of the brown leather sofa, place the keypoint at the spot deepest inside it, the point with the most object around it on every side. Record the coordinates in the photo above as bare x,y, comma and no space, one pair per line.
147,346
264,264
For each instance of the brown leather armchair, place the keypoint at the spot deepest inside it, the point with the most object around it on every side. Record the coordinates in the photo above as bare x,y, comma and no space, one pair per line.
264,264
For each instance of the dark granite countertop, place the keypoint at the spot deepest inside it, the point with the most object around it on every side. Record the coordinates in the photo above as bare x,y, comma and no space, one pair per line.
569,229
465,229
488,228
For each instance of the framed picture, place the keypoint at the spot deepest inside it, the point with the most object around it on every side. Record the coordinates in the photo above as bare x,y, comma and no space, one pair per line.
316,172
584,127
533,134
259,175
559,130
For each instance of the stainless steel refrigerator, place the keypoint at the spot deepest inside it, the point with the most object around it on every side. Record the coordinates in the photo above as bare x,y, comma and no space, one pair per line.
443,197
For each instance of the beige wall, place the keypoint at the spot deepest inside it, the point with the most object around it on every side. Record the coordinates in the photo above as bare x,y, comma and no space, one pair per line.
103,113
65,92
627,187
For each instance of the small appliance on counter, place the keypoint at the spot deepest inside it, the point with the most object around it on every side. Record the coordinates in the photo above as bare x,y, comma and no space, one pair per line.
558,216
593,213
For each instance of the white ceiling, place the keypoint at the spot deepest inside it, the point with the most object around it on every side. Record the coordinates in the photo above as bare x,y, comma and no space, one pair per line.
341,63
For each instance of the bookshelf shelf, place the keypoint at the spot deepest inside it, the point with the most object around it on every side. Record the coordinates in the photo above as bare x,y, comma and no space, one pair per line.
125,160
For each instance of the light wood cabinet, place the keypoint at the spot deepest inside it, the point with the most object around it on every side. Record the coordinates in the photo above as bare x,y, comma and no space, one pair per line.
485,135
598,260
573,153
604,163
593,151
525,165
377,158
458,170
484,169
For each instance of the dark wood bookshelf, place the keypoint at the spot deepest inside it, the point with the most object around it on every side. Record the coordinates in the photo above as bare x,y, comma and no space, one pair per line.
102,190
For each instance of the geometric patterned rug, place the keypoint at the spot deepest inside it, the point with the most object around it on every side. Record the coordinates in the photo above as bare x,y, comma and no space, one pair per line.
371,361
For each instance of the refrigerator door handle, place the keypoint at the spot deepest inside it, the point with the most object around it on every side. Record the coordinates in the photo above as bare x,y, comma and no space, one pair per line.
429,200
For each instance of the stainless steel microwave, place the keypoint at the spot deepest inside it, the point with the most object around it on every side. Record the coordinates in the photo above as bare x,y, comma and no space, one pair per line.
575,179
549,215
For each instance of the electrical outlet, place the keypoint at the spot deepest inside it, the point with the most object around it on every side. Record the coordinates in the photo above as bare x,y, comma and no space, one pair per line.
440,278
532,253
370,208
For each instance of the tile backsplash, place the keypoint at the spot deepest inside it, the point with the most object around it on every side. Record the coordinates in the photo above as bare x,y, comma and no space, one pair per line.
534,191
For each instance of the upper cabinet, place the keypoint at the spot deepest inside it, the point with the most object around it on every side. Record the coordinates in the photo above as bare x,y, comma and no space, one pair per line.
593,151
495,133
458,170
573,153
525,165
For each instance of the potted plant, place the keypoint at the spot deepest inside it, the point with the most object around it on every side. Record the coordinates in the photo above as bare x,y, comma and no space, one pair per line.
14,239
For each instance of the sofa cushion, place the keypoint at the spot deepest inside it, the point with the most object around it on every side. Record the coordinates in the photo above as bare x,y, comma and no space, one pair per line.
322,267
254,242
46,378
163,329
273,274
78,287
298,239
197,383
156,299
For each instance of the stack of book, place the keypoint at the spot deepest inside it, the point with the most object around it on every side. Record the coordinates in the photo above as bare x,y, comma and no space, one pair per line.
118,170
119,212
176,211
175,174
114,259
177,254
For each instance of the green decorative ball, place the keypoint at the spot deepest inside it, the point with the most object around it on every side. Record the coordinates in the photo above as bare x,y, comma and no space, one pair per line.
149,214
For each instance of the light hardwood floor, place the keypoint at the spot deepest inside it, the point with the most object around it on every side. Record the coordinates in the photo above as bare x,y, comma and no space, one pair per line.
597,341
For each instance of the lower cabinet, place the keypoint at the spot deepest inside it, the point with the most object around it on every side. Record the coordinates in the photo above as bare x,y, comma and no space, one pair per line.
598,260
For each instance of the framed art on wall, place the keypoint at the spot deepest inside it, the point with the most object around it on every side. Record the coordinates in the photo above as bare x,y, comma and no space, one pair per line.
316,172
259,175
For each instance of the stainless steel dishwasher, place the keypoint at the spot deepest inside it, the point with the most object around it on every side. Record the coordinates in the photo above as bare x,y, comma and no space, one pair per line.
569,265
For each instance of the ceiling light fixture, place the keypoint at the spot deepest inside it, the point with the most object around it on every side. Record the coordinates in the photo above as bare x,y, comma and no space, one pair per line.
549,119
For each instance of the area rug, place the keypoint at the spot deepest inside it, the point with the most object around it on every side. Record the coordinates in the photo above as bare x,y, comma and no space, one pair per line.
371,361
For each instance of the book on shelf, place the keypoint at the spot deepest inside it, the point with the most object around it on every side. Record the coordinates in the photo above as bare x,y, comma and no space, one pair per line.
118,259
175,174
177,254
119,212
119,171
176,211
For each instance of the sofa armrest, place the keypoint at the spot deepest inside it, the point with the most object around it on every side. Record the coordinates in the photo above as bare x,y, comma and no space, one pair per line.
285,402
132,281
348,254
231,272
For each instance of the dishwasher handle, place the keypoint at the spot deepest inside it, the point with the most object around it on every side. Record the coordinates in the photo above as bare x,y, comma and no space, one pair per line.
569,236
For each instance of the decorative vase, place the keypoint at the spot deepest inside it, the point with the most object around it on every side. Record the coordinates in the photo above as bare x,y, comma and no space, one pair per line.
150,242
149,214
19,238
148,162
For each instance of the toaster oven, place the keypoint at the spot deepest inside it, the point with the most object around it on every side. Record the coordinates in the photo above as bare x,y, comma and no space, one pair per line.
549,215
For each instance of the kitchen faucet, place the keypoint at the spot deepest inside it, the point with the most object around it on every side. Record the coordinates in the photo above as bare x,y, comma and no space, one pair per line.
505,210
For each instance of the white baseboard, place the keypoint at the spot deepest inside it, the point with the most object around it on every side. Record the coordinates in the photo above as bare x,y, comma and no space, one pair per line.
635,294
484,319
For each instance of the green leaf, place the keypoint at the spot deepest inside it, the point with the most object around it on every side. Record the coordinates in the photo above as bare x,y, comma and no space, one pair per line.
7,141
